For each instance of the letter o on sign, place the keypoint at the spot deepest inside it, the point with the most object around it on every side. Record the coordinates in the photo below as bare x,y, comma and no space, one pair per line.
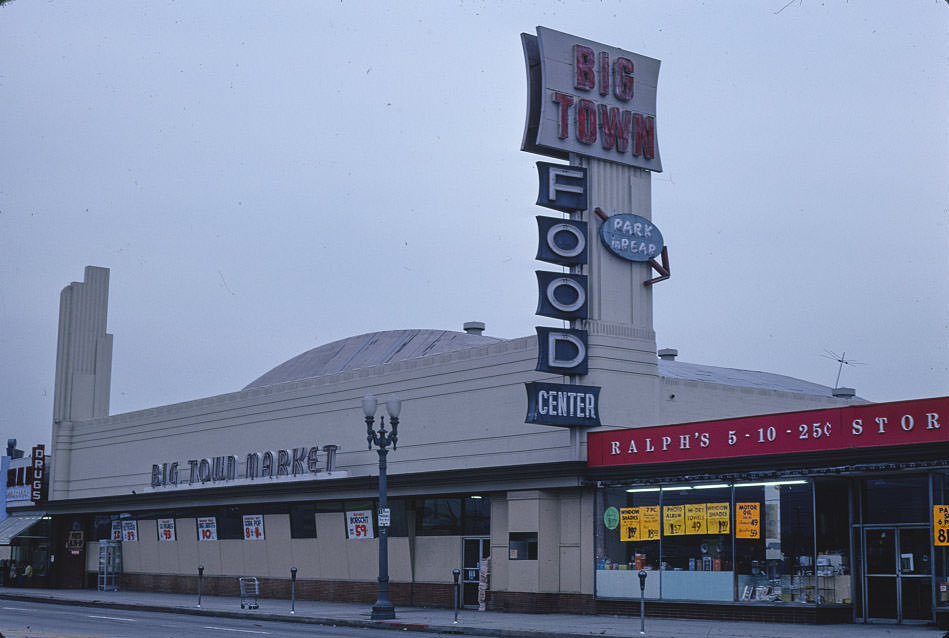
562,247
578,294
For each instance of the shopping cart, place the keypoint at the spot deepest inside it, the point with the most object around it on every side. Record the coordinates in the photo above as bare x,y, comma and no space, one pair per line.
250,592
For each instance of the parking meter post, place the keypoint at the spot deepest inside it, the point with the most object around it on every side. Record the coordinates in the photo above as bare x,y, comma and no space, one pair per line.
293,589
455,573
200,578
642,601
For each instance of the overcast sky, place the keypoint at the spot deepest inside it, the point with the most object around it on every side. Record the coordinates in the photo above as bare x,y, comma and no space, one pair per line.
263,178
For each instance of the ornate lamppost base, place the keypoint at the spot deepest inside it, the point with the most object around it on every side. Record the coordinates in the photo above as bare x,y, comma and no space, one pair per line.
383,610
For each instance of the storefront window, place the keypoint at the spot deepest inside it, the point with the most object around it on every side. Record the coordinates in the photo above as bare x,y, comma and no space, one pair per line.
774,541
453,516
940,539
712,541
696,543
680,535
896,499
303,520
832,498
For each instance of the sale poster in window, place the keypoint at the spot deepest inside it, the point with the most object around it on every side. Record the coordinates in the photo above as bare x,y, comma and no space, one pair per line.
695,519
207,528
941,525
747,520
166,529
649,523
718,519
130,531
673,520
253,527
359,524
630,526
116,530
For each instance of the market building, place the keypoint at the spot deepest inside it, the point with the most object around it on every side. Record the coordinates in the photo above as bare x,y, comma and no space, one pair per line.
560,463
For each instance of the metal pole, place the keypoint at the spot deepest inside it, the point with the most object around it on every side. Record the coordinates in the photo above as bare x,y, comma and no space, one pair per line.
455,573
383,609
200,578
293,589
642,601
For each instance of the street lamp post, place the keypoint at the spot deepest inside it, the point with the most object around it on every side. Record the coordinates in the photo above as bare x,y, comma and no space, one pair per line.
383,608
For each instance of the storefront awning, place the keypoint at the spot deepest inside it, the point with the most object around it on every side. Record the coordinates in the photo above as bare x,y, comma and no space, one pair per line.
15,524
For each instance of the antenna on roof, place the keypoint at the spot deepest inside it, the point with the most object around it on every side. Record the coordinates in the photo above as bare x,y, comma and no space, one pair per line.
842,360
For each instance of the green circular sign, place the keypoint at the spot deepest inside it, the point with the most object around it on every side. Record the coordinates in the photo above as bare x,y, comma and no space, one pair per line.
611,517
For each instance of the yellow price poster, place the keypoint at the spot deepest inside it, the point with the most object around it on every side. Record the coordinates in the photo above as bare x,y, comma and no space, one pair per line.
941,524
747,520
718,518
629,524
649,523
673,520
695,519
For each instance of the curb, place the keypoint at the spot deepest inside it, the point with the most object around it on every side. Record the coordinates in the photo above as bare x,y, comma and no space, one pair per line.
460,630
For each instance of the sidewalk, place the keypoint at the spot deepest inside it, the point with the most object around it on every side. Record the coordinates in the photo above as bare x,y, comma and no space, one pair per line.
470,622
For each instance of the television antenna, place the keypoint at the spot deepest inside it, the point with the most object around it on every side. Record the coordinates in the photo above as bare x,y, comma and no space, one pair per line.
842,361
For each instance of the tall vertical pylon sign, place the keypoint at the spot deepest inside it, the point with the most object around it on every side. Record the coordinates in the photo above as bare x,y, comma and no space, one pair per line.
595,106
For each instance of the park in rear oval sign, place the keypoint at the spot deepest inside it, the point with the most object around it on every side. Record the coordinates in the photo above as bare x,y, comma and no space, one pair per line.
631,237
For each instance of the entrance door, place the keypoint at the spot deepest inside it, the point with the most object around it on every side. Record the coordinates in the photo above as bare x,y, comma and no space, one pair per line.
473,550
898,574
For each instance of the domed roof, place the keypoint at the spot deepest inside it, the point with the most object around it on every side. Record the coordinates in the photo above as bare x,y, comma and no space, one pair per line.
365,351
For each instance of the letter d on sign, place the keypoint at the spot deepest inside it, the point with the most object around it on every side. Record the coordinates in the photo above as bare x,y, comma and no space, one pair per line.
561,351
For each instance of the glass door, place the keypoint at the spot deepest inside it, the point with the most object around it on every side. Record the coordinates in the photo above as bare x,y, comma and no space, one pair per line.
473,550
898,580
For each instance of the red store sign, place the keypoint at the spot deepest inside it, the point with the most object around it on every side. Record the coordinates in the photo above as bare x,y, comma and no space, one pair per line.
863,426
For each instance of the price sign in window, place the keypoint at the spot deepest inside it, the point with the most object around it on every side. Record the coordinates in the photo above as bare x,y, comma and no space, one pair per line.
207,528
650,523
116,530
166,529
941,525
748,520
130,531
630,528
718,519
673,520
695,519
253,527
359,524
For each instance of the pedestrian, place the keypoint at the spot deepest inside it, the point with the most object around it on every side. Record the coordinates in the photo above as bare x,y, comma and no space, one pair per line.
28,575
13,574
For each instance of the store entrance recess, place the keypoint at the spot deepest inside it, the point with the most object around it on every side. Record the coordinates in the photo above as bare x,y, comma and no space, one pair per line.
898,574
472,553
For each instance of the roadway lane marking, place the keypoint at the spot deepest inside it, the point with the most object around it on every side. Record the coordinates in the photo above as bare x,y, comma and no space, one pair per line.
33,634
112,618
243,631
17,609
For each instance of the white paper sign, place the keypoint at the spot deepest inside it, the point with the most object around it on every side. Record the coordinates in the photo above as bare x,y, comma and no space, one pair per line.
385,517
166,529
130,531
207,528
360,524
253,527
116,530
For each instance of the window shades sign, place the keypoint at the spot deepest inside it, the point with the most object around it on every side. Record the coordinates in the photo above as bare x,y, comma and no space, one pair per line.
639,523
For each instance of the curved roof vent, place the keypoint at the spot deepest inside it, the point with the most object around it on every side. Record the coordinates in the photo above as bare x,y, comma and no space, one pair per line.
845,393
474,327
668,354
